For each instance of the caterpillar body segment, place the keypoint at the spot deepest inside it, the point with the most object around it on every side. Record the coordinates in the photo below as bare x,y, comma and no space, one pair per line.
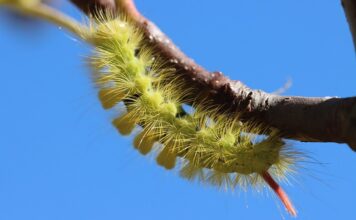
212,148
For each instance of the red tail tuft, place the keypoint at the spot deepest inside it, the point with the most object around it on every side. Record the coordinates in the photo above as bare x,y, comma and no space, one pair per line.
280,193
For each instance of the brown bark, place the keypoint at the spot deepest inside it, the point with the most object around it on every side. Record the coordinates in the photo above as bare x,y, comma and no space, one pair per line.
93,6
350,11
299,118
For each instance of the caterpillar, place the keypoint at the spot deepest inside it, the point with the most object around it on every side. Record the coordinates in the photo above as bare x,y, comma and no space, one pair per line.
211,147
205,145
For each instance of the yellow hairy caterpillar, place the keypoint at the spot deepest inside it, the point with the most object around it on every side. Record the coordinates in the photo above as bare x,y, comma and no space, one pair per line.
205,144
214,148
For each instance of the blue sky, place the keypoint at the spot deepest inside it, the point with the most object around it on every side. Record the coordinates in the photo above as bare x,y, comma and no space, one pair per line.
61,159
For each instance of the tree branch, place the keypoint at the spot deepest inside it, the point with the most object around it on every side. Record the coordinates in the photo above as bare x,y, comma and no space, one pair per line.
350,11
93,6
299,118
